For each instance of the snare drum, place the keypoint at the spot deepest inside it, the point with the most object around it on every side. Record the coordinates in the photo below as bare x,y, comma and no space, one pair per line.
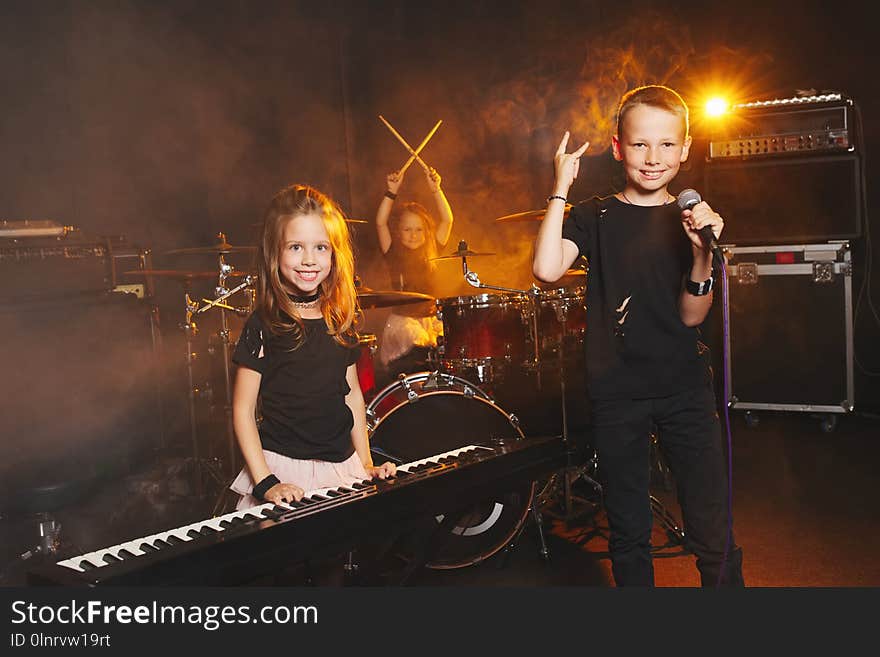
485,328
429,413
562,319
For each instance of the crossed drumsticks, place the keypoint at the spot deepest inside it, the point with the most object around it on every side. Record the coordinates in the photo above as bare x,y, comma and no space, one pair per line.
414,153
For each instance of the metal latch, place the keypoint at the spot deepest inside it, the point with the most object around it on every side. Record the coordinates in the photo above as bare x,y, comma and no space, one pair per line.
823,272
747,273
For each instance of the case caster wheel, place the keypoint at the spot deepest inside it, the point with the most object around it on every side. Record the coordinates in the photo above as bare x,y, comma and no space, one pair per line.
828,424
752,420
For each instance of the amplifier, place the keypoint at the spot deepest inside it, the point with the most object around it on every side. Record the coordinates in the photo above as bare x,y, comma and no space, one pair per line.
41,259
801,125
801,199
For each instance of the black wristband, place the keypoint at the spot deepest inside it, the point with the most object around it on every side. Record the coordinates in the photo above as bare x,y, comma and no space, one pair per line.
699,289
553,196
263,487
390,194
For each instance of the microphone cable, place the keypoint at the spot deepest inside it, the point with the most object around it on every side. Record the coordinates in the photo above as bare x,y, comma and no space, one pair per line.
725,370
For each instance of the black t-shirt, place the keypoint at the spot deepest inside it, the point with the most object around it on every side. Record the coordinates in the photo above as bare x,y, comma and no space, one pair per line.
410,270
302,392
637,346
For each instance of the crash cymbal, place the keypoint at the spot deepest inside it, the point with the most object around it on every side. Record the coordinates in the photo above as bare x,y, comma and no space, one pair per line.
528,215
220,247
181,275
369,298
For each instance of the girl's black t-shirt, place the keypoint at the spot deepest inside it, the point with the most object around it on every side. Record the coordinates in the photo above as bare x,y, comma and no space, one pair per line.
410,270
637,346
302,390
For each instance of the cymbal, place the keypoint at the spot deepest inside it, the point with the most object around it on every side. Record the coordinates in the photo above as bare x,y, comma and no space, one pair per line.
180,275
529,215
576,272
465,253
348,221
220,247
369,298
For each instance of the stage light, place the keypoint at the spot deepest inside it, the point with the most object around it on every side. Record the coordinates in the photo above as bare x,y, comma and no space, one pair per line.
716,106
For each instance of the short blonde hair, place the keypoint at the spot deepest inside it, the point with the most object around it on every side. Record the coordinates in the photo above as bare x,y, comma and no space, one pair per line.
654,95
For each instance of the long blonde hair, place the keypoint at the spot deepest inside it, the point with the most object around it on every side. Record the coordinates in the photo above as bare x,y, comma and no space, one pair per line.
339,304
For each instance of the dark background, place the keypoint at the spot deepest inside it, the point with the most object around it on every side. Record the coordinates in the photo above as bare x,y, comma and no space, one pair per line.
168,122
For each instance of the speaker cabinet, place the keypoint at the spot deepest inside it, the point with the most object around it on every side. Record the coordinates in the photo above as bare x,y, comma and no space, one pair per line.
786,200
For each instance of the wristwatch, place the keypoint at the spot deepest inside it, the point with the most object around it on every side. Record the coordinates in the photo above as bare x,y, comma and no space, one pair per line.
699,289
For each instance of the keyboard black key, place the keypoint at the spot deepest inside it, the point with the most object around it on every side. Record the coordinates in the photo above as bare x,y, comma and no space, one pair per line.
125,554
319,498
85,564
333,493
174,540
146,547
359,485
109,558
207,530
228,524
161,544
270,513
193,533
344,490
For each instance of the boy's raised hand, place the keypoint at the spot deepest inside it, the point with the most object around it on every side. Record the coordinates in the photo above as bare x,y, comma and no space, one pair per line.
567,165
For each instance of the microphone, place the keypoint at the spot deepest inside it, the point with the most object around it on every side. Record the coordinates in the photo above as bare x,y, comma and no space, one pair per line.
687,199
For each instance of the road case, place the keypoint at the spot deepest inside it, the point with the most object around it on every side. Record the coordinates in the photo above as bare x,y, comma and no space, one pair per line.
790,341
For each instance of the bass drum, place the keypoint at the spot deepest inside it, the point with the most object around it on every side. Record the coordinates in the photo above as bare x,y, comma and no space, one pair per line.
428,413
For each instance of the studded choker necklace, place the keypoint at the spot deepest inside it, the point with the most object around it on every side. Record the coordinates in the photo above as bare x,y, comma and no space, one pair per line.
305,302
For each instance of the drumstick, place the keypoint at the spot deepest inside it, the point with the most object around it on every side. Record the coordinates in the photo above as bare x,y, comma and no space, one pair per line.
414,153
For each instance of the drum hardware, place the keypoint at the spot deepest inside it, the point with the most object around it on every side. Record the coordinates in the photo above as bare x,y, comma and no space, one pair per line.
562,303
50,537
222,293
220,470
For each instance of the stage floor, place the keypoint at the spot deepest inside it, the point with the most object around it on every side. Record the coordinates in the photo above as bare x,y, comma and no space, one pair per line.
805,514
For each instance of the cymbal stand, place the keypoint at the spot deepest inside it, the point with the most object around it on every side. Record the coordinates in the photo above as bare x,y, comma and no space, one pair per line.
571,472
221,294
190,331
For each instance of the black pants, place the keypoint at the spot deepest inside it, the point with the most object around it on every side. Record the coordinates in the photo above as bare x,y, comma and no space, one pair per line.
690,439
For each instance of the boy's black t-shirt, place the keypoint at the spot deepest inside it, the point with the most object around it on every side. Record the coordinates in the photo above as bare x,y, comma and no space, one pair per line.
302,391
636,344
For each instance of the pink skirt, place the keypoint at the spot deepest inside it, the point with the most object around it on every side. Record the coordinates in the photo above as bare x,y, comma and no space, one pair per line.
307,474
